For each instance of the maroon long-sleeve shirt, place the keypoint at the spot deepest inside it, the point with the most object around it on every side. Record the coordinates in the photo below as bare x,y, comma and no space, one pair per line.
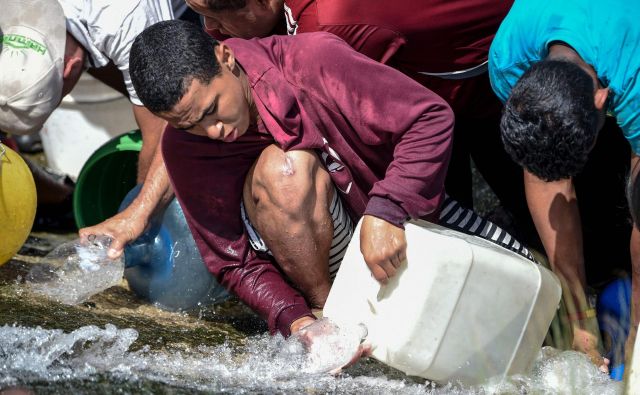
386,140
415,37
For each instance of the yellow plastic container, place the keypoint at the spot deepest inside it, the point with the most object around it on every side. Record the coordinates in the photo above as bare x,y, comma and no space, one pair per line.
17,203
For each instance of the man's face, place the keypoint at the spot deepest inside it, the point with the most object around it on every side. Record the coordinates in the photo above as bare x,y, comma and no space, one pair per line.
218,110
257,19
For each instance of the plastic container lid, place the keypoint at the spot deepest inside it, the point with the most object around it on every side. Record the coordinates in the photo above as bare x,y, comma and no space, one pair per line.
106,178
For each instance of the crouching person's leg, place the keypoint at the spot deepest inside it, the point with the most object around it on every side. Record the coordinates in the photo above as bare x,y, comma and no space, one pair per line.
287,199
454,216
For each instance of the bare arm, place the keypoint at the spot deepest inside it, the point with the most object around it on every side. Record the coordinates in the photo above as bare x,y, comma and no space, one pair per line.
554,209
634,247
151,128
129,224
635,292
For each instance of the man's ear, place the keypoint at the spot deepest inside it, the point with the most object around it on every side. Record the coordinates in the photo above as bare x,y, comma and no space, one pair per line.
600,97
72,66
225,56
73,63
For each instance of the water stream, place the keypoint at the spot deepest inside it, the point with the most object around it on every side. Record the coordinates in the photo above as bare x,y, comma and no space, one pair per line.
116,343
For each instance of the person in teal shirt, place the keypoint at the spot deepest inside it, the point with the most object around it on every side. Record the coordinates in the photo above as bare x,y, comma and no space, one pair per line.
560,67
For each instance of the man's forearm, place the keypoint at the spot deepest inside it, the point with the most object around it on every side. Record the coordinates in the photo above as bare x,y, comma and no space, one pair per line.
156,190
634,245
151,128
635,276
554,209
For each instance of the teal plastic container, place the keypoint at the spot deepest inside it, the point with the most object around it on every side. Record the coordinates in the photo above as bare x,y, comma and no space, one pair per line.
106,178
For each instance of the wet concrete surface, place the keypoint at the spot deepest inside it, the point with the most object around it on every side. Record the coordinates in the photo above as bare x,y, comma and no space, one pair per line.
229,321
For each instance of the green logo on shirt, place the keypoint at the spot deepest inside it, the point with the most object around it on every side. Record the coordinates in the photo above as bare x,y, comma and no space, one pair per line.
21,42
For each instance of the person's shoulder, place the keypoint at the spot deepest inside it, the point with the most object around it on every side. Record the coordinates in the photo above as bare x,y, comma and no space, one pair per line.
321,37
316,44
114,15
300,46
297,5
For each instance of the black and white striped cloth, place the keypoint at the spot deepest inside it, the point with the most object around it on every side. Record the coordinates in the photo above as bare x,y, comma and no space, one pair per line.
461,219
452,216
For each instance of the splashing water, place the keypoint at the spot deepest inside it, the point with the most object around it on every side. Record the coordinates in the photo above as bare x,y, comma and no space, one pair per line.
328,347
74,271
264,364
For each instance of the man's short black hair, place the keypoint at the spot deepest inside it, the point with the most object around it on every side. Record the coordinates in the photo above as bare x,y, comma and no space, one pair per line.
550,121
226,5
166,57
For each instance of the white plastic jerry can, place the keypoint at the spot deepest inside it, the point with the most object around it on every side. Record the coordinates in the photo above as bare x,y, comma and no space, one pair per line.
459,309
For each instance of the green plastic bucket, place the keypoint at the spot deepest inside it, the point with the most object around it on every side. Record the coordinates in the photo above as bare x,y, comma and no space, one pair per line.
106,178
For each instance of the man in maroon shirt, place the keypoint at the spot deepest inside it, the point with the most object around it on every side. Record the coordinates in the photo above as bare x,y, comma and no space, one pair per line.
387,140
442,44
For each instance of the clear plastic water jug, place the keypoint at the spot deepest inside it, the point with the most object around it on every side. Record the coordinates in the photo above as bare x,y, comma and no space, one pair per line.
460,309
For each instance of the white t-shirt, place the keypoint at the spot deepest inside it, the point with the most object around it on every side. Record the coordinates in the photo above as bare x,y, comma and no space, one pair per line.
179,7
107,28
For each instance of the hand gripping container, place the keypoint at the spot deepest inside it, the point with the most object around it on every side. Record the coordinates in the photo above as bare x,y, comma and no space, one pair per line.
460,309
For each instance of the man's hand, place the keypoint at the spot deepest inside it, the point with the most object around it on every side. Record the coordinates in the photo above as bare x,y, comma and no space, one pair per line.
121,228
585,341
383,246
330,348
297,325
129,224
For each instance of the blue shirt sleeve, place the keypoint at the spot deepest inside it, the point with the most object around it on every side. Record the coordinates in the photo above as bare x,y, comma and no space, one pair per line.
627,111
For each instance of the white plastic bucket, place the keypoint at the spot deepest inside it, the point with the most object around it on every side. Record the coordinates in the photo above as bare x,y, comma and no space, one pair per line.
88,117
459,309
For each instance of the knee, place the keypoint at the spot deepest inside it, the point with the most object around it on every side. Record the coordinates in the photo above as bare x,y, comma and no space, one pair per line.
290,182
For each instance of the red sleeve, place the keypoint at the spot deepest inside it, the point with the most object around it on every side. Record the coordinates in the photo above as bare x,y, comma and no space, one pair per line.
385,108
207,177
376,42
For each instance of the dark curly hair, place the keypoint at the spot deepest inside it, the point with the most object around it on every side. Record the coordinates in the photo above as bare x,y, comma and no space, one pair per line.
550,122
166,57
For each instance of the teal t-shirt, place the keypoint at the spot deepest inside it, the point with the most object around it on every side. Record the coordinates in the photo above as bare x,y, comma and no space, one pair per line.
606,34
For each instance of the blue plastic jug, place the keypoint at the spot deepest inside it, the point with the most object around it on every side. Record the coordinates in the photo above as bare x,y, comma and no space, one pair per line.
164,265
614,315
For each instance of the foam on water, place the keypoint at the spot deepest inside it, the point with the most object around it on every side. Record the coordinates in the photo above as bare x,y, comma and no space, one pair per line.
262,364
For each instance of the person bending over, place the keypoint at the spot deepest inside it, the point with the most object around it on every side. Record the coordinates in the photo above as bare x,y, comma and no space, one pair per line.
561,68
43,58
277,146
